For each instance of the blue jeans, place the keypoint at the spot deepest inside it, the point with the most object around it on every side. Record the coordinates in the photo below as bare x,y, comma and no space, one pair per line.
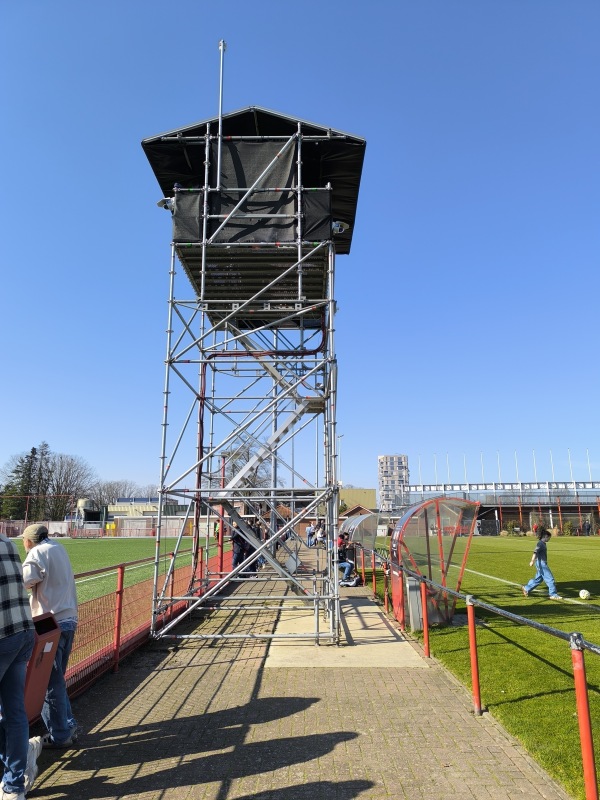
15,651
56,711
347,566
542,575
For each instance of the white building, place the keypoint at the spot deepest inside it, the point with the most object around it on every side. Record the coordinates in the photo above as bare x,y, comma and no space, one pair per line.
393,477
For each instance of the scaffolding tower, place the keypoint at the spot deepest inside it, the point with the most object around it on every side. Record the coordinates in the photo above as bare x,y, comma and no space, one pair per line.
260,203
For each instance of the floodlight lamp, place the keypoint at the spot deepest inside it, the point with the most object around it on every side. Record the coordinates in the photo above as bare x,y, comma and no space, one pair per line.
339,227
167,203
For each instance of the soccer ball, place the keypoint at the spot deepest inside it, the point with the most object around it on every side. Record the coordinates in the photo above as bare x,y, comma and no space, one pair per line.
584,594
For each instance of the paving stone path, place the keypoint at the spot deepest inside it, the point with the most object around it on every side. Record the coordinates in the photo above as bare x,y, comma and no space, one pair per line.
249,720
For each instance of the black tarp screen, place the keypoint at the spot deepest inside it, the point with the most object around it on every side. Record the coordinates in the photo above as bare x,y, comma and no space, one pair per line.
330,157
242,163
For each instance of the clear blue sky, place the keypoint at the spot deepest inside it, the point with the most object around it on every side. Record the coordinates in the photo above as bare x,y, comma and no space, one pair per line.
468,324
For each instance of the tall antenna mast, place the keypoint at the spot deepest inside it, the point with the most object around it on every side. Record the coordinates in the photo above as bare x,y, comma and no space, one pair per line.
222,48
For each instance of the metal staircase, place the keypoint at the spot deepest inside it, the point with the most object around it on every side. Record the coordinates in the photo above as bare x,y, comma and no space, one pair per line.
250,389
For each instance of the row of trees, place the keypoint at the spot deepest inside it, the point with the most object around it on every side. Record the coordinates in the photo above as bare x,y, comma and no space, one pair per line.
41,485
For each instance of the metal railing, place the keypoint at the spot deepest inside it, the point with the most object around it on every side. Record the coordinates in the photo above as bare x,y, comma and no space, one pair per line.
577,644
118,622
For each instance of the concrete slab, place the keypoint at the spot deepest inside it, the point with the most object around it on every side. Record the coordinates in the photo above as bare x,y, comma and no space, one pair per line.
369,640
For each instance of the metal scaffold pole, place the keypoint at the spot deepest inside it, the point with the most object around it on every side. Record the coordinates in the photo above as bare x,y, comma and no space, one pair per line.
250,367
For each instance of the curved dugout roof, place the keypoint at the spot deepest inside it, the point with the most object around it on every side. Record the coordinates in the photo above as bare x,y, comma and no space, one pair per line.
362,529
424,542
442,519
330,156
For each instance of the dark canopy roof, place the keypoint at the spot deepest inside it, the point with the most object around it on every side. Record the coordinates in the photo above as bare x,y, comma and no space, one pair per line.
332,157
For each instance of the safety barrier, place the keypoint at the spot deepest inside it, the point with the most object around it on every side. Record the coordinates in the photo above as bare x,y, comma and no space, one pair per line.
576,642
113,625
377,559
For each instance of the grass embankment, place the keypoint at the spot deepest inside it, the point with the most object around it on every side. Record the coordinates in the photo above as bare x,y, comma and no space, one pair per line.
526,676
89,554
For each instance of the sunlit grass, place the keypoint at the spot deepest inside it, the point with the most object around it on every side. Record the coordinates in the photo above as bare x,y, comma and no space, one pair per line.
90,554
526,676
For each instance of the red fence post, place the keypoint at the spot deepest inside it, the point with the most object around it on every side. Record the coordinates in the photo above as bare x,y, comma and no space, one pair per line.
118,615
362,565
425,618
583,718
374,581
474,657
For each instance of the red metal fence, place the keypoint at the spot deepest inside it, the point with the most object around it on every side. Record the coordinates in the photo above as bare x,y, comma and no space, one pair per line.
576,642
113,625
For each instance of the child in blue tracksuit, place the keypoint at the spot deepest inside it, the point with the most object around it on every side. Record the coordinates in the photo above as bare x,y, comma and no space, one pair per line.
543,572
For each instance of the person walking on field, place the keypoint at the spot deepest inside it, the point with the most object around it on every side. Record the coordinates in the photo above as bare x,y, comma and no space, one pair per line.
48,573
543,572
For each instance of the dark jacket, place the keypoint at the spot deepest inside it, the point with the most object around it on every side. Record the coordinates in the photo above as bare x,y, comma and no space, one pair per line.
238,541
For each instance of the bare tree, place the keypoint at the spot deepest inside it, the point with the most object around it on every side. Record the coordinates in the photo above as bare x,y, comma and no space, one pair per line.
71,478
105,493
40,484
7,469
149,490
258,476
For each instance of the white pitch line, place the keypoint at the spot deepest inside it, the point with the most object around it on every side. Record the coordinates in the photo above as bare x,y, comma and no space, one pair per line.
512,583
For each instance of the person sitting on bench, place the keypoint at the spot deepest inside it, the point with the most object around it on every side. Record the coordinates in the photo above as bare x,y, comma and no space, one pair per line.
346,559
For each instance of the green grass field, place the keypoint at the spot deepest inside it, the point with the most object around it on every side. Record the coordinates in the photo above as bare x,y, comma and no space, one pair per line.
90,554
526,677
